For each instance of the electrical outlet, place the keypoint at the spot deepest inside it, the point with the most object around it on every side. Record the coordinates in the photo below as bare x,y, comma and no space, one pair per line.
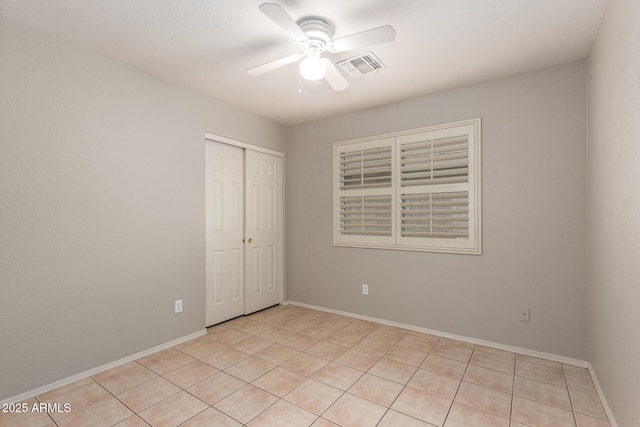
524,314
178,306
365,289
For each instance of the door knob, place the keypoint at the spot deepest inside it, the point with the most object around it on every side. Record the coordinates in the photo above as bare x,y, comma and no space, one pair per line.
250,240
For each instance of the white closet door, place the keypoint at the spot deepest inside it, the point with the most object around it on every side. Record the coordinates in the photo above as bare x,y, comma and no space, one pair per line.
224,232
263,221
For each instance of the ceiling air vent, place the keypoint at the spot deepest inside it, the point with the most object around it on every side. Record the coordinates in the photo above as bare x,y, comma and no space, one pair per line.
361,65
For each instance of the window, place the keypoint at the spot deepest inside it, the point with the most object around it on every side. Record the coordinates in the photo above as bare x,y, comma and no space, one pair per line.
414,190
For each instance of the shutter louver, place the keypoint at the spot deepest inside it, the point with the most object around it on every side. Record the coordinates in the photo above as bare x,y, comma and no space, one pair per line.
437,161
435,215
369,168
365,215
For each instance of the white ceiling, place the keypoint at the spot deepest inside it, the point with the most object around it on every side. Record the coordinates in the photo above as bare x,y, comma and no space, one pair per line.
208,44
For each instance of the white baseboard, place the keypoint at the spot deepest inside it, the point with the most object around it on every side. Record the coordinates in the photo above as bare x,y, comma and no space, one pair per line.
94,371
525,351
603,399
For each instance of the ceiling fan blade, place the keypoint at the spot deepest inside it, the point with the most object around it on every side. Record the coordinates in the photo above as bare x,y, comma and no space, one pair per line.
282,19
274,64
335,78
379,35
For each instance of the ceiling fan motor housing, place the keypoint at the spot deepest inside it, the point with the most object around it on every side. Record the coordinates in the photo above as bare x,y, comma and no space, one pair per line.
319,32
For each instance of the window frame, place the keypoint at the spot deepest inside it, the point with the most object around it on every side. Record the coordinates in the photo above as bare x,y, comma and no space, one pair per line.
472,245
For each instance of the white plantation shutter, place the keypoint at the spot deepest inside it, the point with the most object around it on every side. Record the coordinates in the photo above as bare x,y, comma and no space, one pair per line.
416,190
365,208
365,168
435,161
439,215
366,216
437,188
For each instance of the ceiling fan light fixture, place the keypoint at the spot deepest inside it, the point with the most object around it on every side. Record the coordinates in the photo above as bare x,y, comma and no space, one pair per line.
313,67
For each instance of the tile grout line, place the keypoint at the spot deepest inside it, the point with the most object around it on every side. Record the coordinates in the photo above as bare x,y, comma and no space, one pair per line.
48,415
135,413
343,391
279,365
224,371
459,385
573,412
513,388
388,408
407,385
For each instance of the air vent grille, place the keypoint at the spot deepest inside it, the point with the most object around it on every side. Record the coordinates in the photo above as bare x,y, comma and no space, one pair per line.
361,65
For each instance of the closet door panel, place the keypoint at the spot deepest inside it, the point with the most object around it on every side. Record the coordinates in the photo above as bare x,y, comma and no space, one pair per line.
224,212
264,230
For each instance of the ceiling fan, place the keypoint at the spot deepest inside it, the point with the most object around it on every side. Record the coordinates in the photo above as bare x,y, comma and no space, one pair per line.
314,36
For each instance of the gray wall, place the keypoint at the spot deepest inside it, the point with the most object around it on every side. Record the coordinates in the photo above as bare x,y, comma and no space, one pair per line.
614,209
534,222
102,207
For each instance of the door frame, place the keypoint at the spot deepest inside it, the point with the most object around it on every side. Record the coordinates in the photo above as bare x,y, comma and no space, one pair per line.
208,136
219,138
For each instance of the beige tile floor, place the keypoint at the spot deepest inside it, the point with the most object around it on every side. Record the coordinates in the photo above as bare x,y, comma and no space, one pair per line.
291,366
